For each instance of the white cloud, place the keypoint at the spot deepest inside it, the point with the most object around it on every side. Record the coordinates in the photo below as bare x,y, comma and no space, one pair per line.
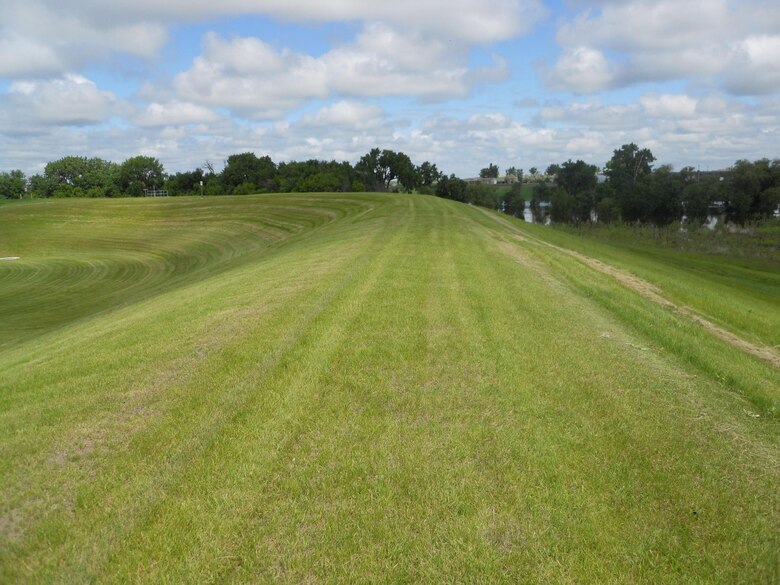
49,37
581,70
712,131
72,100
668,105
353,115
249,77
39,39
722,43
174,113
756,66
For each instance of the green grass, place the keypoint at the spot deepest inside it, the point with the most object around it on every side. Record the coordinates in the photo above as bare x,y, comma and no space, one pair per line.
369,388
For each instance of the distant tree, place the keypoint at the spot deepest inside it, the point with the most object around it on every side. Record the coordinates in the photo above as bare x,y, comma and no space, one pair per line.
138,173
542,193
378,169
513,202
661,196
253,173
697,196
533,171
562,206
552,170
575,177
482,195
451,188
752,190
185,183
371,171
78,176
489,172
607,208
629,167
514,172
573,198
398,166
428,174
13,184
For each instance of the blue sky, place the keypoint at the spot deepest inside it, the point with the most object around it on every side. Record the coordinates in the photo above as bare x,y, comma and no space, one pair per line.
461,83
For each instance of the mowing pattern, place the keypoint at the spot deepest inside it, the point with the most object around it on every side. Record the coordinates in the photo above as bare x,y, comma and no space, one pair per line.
403,390
85,258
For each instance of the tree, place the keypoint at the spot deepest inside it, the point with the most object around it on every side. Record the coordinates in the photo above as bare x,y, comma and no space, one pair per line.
482,195
451,188
697,196
575,177
628,167
139,173
378,169
661,196
78,176
428,174
562,206
752,190
398,166
513,174
250,172
371,171
489,172
186,183
513,202
542,193
13,184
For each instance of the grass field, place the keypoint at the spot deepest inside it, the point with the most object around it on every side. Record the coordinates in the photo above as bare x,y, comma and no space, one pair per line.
330,388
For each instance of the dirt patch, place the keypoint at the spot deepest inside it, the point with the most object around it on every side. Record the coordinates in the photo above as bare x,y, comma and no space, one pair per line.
11,526
650,292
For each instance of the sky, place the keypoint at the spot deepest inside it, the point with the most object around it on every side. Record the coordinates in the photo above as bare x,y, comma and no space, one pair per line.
461,83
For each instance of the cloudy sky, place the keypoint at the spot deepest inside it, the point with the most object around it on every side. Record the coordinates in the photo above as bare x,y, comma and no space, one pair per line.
458,82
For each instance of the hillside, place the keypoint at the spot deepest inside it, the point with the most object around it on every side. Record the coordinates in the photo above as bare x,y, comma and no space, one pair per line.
351,387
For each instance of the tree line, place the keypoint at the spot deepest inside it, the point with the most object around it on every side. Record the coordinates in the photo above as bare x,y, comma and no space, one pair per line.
631,190
627,189
244,173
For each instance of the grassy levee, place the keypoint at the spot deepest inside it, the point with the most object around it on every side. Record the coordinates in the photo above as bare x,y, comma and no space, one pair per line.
739,293
78,258
411,391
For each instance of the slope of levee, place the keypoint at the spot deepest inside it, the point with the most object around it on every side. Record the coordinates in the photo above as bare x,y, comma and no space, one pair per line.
411,392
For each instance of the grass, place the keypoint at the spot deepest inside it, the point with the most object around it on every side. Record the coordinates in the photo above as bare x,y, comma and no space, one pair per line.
371,387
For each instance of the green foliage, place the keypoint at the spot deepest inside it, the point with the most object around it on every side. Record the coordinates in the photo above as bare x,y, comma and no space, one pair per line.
482,195
513,201
629,167
428,174
378,169
608,210
752,190
489,172
542,192
12,185
139,173
452,188
73,176
186,183
516,173
315,176
245,169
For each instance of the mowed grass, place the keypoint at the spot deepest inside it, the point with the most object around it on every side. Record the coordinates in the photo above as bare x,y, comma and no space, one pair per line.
399,389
